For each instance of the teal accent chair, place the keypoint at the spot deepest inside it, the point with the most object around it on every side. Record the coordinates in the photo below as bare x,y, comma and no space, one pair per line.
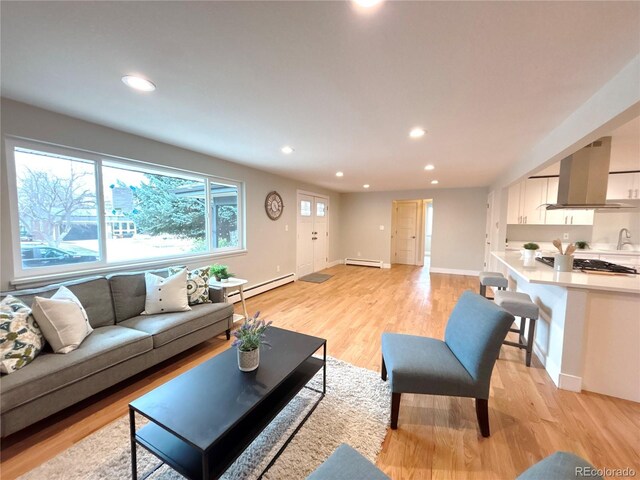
459,366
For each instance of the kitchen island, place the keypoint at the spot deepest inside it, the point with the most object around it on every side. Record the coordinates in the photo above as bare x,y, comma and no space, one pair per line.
588,334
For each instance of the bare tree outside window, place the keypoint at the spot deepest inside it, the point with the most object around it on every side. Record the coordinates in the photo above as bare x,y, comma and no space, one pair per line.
48,202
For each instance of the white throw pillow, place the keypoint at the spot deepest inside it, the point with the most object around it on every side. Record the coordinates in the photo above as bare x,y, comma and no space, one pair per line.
62,320
166,294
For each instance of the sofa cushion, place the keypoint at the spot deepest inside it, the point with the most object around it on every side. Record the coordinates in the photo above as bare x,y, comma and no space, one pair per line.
104,348
166,327
425,365
94,295
20,337
129,293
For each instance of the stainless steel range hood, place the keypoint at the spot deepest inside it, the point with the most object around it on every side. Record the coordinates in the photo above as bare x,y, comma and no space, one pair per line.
584,177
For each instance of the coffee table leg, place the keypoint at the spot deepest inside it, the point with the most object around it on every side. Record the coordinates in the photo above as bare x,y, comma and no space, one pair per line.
324,369
132,430
205,466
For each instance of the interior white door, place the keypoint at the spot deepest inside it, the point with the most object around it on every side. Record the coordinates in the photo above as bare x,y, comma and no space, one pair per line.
319,233
305,237
406,232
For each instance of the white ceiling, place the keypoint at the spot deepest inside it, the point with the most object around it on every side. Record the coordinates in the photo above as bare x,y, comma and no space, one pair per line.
238,80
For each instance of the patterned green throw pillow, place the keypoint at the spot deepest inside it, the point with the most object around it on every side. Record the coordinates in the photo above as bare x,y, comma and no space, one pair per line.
20,337
197,284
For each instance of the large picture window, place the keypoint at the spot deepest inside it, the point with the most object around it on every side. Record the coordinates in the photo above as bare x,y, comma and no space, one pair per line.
77,211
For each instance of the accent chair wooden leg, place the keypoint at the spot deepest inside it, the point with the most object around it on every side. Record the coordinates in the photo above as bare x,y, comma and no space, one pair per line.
395,409
228,333
383,373
482,412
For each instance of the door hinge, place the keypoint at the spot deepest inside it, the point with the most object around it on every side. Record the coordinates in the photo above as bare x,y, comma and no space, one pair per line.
326,234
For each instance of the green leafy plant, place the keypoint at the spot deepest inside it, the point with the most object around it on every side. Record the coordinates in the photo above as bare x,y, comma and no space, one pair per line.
251,334
531,246
582,245
220,272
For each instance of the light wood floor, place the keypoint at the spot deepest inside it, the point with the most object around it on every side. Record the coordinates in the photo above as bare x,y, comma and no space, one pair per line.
437,437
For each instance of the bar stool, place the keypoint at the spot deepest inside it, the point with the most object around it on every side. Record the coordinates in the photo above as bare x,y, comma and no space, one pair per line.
492,279
520,305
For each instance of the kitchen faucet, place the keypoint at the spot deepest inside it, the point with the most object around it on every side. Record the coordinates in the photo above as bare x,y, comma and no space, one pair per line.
622,243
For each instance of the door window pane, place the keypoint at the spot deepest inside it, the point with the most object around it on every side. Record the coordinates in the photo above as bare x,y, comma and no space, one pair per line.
305,208
320,209
56,209
150,215
224,216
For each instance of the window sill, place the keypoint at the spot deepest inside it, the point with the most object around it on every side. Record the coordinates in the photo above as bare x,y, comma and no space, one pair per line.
39,280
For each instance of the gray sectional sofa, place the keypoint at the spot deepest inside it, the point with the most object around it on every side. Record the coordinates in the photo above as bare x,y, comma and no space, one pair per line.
122,344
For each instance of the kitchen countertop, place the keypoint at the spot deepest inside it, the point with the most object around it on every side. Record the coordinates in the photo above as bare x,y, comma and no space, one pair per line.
543,274
548,248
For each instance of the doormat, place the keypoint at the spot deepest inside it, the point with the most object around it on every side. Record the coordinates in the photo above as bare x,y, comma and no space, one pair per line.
316,277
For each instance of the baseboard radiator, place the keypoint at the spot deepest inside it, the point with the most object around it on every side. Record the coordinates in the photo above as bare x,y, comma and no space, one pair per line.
262,287
362,262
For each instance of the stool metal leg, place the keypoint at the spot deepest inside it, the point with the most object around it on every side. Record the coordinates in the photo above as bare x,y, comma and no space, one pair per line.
483,290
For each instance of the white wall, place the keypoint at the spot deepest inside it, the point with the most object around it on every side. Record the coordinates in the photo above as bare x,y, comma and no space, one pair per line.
268,244
458,225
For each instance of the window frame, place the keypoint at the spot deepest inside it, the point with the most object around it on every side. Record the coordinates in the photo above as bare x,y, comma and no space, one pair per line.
22,275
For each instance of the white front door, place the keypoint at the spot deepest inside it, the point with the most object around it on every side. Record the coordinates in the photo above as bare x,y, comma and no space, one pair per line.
312,241
406,232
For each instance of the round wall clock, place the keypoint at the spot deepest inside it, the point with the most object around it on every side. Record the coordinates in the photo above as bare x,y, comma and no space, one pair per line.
273,205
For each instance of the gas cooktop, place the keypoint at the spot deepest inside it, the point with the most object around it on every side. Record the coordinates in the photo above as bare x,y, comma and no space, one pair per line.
593,265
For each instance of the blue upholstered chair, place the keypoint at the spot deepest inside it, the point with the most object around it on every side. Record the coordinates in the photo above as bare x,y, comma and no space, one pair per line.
560,466
347,464
459,366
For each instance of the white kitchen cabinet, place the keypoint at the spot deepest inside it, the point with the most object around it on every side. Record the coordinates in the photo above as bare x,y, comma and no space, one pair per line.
535,196
554,217
564,217
514,211
623,186
526,201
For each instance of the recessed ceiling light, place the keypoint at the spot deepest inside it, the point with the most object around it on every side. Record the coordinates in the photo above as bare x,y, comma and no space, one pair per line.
367,3
287,150
339,174
366,185
417,132
434,182
429,167
138,83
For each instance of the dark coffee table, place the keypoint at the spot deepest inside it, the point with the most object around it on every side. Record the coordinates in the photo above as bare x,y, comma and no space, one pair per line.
202,420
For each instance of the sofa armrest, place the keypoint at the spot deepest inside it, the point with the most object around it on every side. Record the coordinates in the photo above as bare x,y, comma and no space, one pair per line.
216,295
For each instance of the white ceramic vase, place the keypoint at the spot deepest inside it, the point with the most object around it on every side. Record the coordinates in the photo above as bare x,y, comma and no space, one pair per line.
248,361
529,257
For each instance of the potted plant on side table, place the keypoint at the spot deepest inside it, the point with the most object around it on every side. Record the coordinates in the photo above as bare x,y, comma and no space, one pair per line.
249,337
530,254
220,272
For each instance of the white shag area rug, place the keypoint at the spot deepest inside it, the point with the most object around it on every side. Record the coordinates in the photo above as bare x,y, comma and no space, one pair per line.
355,410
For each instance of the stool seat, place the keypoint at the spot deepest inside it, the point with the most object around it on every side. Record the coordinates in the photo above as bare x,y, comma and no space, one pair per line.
493,279
517,304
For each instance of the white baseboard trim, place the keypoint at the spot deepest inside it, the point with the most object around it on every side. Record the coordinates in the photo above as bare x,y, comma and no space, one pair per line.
335,262
454,271
262,287
570,382
364,262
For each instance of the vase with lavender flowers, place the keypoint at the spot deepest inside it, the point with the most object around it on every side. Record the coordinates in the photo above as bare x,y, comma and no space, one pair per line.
249,337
